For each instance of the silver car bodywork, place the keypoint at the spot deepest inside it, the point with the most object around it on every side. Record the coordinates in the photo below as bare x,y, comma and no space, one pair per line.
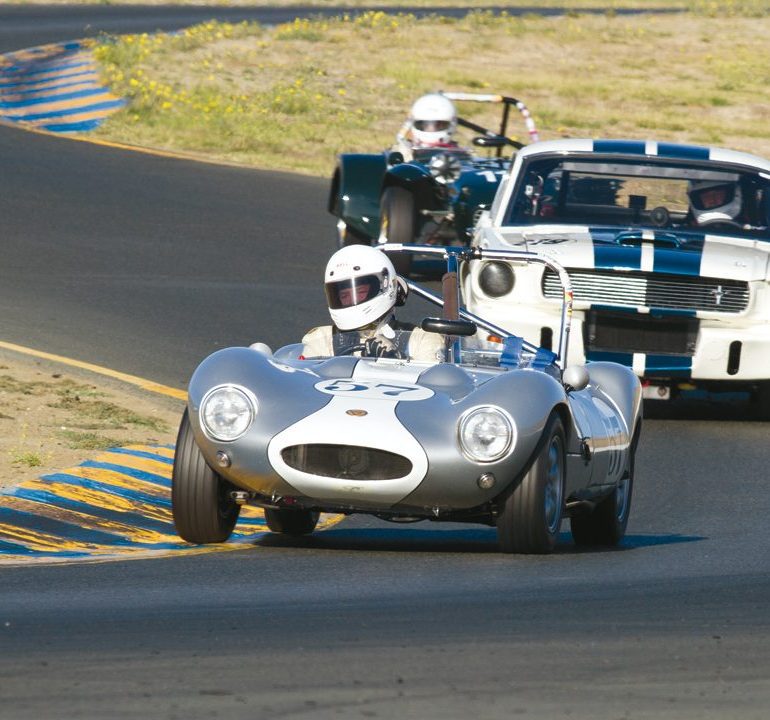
382,436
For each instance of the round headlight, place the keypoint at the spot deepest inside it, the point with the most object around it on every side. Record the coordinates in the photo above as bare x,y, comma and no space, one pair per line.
496,279
486,434
227,412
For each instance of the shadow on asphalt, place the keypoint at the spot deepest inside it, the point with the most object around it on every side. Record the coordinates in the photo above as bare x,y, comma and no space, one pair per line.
464,540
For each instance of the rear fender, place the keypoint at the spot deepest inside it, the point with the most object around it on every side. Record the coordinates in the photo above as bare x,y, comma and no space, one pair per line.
355,191
418,181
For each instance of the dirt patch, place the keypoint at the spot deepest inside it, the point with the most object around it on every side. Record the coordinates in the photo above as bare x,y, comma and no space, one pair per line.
53,417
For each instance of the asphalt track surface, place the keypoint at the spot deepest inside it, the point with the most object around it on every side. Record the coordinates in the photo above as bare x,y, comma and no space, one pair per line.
146,264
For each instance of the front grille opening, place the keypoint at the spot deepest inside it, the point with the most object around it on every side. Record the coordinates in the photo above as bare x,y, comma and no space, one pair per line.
655,290
346,461
627,332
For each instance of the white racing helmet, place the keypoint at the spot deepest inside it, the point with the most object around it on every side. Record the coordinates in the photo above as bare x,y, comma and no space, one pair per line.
433,120
714,201
361,286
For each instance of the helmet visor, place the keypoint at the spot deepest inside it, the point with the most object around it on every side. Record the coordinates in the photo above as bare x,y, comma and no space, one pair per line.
713,196
352,291
431,125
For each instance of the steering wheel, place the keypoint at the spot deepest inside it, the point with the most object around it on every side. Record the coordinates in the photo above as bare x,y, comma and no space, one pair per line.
359,347
660,216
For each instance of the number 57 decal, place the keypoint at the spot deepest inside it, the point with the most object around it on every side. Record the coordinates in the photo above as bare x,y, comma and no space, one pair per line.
371,390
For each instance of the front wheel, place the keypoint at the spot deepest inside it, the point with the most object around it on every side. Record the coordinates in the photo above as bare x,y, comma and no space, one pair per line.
398,224
201,505
531,515
291,522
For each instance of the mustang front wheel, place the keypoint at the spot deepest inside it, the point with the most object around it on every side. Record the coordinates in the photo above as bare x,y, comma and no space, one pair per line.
397,224
203,510
530,518
291,522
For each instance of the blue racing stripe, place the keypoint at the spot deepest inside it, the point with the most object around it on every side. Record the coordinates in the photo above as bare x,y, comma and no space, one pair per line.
628,147
674,366
626,359
686,152
677,262
615,257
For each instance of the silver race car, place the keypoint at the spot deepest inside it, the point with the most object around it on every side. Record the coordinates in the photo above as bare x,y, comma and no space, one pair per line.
499,432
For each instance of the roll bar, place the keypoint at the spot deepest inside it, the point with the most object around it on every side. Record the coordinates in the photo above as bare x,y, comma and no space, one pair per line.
455,255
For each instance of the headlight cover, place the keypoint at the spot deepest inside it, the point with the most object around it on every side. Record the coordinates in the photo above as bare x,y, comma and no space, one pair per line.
496,279
486,433
227,412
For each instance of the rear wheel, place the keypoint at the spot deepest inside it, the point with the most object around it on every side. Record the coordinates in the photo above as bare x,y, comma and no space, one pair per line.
291,522
531,515
398,223
606,523
201,504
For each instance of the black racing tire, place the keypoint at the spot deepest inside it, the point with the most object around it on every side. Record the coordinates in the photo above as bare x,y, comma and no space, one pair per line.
201,505
606,523
530,517
398,223
291,522
760,401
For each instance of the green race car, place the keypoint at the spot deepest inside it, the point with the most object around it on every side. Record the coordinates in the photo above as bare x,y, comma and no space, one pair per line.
429,195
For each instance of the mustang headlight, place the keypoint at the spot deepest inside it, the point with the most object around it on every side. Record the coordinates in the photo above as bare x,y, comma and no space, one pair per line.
227,412
496,279
486,433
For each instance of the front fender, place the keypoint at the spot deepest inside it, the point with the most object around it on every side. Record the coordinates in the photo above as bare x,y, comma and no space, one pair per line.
355,191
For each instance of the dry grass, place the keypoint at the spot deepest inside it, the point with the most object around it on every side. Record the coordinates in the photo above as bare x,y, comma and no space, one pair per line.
295,95
50,417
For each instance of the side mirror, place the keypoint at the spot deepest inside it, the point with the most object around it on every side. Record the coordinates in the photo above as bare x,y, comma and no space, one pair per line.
395,158
487,141
575,377
463,328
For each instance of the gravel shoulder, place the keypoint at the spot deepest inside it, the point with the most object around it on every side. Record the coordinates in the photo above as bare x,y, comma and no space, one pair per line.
53,417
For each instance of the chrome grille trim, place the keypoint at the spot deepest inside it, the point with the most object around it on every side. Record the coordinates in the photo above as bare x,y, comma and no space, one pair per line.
670,292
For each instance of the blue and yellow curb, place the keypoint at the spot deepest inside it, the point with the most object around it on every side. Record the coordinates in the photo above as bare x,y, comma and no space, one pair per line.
55,88
114,507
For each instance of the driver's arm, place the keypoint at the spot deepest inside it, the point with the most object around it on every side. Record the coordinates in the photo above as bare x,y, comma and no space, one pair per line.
318,342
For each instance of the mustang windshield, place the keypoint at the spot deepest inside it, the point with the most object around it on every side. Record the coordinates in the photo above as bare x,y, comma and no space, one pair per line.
601,191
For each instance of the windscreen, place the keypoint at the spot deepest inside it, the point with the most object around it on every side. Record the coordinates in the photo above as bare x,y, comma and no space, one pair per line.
705,197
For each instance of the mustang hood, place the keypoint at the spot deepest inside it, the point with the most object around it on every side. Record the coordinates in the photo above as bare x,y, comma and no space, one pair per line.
612,248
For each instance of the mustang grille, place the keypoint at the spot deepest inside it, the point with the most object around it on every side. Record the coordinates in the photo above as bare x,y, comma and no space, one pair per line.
671,292
630,333
346,461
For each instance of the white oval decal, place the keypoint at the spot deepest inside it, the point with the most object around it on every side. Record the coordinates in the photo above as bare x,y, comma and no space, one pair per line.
373,390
